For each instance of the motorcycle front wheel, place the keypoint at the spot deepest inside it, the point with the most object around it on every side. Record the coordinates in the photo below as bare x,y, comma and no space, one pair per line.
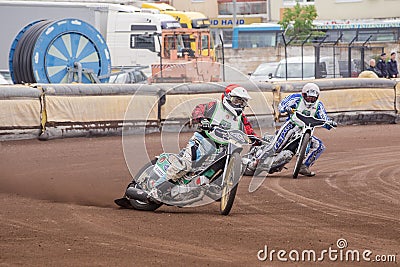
302,153
230,183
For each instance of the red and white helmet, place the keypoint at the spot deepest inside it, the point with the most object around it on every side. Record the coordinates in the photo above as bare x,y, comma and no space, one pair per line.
235,98
310,93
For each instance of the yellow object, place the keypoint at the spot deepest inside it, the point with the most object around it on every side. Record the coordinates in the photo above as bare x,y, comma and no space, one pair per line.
190,19
158,6
359,99
187,19
368,74
227,22
193,20
397,99
19,112
100,108
261,103
181,106
187,57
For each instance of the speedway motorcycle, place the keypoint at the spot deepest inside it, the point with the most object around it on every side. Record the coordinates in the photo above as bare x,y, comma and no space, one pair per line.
262,158
216,178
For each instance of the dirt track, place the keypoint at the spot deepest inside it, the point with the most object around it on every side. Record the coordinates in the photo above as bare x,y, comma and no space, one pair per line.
57,207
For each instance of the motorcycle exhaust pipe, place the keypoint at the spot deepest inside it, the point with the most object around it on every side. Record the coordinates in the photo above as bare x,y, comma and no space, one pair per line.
140,195
187,202
137,194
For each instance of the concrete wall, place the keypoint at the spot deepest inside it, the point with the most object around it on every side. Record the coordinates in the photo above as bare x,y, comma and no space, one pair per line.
367,9
247,60
207,7
346,9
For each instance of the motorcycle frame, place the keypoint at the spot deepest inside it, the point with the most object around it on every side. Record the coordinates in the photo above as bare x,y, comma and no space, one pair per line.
234,144
304,128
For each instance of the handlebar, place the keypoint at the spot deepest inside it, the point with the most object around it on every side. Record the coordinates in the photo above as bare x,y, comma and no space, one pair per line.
255,139
311,121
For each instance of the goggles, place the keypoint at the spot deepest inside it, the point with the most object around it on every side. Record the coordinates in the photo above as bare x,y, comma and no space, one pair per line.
311,99
238,101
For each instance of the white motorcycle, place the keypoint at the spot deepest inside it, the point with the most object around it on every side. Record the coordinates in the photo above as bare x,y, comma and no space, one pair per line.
263,158
216,178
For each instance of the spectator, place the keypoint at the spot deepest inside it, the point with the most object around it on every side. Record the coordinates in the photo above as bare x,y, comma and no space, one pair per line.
372,67
392,66
382,66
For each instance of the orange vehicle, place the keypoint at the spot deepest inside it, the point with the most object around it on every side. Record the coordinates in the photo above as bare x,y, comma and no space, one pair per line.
179,62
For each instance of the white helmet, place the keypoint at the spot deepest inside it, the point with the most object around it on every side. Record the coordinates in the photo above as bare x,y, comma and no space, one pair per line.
236,100
310,93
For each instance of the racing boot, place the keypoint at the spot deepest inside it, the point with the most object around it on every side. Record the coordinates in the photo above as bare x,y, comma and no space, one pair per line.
280,161
304,170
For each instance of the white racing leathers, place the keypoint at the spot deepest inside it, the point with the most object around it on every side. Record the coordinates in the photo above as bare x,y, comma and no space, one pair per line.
317,110
203,143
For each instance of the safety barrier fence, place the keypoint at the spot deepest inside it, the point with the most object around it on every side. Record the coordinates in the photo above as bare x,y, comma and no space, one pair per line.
20,112
65,110
355,100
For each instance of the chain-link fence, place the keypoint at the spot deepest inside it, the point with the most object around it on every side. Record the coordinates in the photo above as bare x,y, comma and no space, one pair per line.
321,58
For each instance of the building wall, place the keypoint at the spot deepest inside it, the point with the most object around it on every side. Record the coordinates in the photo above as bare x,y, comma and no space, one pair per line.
346,9
207,7
247,59
365,9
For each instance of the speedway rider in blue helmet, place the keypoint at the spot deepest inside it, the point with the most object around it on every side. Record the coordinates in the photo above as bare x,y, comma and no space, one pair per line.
308,104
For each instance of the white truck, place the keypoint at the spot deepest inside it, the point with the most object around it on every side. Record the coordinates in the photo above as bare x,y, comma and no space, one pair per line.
131,35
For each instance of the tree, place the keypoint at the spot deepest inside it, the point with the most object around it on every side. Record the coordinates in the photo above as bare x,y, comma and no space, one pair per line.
298,20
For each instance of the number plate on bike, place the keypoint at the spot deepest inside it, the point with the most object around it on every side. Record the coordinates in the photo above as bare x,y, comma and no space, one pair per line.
162,165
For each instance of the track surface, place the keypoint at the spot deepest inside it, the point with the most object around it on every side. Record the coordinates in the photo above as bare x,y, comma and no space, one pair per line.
57,208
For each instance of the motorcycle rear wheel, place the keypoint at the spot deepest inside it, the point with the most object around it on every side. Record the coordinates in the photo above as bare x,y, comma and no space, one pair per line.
139,205
302,153
230,183
248,171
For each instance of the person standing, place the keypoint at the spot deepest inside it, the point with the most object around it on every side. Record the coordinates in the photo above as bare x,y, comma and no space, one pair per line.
382,66
392,66
372,67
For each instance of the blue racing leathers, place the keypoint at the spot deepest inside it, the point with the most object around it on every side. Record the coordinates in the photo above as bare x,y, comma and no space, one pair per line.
317,110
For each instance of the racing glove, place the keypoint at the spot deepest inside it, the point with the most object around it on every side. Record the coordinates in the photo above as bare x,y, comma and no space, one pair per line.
255,141
333,124
290,110
205,124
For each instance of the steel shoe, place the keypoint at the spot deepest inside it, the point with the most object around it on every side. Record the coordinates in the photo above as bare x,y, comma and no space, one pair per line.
304,170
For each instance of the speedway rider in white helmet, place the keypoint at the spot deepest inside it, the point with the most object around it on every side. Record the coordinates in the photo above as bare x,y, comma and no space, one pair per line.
227,114
308,104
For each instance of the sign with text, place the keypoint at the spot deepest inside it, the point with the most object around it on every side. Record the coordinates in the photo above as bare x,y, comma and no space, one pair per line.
228,21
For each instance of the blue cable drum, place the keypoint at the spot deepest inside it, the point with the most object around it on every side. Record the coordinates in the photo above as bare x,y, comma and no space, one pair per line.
47,49
14,45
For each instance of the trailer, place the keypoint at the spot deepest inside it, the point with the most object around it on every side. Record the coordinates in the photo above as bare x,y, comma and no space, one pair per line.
132,36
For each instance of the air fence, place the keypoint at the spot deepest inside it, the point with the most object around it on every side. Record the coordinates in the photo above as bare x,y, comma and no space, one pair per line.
48,111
